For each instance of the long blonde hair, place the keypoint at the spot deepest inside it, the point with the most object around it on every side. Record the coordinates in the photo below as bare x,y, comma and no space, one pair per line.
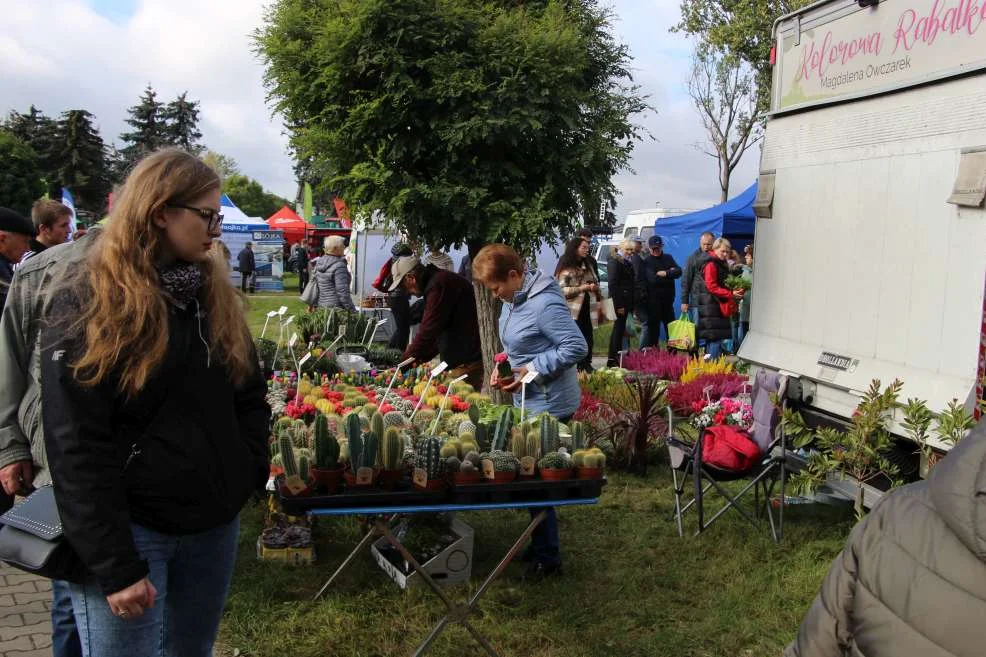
124,318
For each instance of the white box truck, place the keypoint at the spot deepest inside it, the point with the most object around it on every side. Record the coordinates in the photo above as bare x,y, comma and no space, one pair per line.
870,254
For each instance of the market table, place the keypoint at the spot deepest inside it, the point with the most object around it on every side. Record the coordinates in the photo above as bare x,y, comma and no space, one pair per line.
381,518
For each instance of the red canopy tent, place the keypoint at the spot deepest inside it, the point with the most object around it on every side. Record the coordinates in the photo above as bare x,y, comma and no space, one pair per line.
294,227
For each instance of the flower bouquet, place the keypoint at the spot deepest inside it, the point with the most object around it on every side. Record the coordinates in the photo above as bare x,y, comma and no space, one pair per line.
727,411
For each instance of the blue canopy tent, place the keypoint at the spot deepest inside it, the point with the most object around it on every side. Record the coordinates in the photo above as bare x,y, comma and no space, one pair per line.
733,220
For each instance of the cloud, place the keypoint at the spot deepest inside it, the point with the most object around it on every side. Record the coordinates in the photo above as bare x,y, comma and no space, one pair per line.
103,64
100,54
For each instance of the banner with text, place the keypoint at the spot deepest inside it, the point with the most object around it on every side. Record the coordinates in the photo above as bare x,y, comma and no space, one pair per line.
894,44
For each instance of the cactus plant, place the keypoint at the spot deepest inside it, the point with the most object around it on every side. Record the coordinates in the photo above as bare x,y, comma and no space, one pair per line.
453,463
466,427
287,456
503,461
431,457
502,431
578,458
483,436
391,449
473,413
451,448
394,419
593,459
472,457
376,425
553,461
549,434
326,445
578,436
468,466
363,450
304,468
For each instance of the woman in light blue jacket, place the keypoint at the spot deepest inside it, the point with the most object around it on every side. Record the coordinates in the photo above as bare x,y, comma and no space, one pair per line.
538,335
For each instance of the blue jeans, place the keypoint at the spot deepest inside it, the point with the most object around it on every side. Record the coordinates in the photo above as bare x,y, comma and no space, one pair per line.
64,633
545,543
191,574
714,348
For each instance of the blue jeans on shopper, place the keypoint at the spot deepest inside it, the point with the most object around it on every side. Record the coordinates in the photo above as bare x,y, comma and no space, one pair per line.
64,633
545,543
191,574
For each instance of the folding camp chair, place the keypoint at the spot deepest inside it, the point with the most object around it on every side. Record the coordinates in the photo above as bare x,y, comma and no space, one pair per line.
763,477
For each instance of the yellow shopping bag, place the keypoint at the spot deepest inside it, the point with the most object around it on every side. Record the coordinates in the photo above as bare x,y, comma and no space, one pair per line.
681,334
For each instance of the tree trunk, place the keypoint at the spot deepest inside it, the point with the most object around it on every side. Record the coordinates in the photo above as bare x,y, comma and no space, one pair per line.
724,183
488,315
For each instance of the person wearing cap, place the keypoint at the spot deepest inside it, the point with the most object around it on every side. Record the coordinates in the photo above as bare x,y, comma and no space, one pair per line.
656,275
16,233
449,324
247,266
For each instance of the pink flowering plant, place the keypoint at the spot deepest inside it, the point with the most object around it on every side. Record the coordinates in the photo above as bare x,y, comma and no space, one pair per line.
726,411
503,365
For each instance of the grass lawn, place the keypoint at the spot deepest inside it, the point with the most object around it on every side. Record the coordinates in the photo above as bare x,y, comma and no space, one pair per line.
631,587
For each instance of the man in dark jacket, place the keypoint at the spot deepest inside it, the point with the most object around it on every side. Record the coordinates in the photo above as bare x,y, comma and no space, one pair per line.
449,325
656,274
16,233
621,291
691,281
247,267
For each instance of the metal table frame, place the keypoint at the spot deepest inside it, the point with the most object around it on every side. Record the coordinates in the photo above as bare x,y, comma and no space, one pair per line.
381,518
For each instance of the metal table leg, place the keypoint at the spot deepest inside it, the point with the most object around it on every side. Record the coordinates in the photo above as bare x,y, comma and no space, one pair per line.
458,613
364,542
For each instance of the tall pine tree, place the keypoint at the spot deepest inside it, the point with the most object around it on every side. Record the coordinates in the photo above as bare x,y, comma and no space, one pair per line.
150,128
81,159
40,132
182,118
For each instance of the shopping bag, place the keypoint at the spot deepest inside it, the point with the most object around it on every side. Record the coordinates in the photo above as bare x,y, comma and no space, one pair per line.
681,334
310,295
609,310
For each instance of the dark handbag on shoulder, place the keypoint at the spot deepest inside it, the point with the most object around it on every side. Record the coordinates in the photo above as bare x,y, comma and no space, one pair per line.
31,539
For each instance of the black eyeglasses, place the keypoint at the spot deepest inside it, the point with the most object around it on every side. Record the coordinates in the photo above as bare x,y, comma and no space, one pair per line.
214,217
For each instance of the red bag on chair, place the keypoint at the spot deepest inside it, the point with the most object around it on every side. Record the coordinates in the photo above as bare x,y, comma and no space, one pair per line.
729,448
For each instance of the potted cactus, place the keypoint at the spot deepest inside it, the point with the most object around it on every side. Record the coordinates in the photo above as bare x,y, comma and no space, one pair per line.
555,467
504,372
296,483
430,465
391,458
467,471
589,464
526,446
362,454
503,466
326,471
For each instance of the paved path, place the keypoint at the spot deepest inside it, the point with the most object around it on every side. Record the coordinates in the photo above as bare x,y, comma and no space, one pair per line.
25,620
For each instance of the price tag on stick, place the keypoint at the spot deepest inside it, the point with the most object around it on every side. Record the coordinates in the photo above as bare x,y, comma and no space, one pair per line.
442,366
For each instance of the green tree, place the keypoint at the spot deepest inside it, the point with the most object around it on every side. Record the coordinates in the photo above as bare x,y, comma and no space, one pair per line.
20,176
460,121
722,90
182,118
40,132
224,165
150,128
741,28
250,196
81,160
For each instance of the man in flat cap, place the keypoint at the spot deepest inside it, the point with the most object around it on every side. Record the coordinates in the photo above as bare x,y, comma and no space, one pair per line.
15,240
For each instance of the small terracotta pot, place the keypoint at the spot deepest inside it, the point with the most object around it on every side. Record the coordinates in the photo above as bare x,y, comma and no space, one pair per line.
556,474
589,473
433,484
328,478
501,478
286,492
350,478
389,478
465,478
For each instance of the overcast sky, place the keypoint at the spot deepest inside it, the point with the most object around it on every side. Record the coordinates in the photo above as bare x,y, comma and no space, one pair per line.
99,55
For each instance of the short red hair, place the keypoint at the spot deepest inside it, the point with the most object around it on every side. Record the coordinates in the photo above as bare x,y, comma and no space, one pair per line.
495,262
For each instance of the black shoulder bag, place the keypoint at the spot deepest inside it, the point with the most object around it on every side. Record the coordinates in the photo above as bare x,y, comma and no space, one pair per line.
31,539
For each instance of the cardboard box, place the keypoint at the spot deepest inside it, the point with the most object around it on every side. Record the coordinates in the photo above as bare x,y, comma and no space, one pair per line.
451,565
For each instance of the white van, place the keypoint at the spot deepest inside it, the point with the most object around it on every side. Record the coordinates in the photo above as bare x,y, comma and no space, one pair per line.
870,253
640,223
